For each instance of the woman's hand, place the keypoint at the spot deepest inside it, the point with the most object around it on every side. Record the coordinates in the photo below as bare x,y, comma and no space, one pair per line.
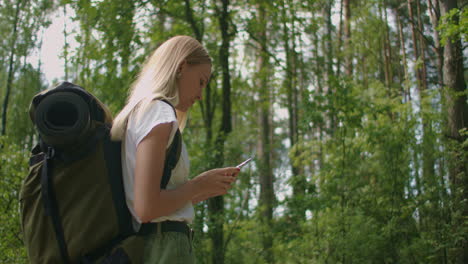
214,183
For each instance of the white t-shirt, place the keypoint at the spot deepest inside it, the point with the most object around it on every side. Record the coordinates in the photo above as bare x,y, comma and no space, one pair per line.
158,113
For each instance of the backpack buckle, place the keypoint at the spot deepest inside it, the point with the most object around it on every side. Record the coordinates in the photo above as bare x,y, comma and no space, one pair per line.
50,153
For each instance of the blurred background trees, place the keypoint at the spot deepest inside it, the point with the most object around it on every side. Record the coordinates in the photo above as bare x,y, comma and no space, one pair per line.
355,111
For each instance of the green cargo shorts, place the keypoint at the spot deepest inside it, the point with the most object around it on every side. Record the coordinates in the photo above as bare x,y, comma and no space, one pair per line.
168,247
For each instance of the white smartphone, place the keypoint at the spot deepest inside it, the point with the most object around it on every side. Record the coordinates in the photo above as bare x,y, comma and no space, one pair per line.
245,162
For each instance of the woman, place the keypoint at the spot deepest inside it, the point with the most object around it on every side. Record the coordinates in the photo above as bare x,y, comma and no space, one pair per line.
176,72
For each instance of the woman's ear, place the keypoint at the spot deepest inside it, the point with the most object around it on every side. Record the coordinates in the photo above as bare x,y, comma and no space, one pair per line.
182,66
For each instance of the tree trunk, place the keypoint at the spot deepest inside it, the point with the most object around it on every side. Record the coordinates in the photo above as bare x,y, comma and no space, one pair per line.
347,38
422,45
457,119
434,11
84,58
216,205
66,45
405,93
264,150
11,67
328,53
415,42
191,20
207,106
341,52
387,52
428,147
290,83
127,12
428,172
340,41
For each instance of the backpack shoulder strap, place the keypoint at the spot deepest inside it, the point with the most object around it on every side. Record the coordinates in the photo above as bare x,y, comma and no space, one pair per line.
172,157
172,154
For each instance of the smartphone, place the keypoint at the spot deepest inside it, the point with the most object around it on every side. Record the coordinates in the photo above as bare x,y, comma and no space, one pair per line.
244,163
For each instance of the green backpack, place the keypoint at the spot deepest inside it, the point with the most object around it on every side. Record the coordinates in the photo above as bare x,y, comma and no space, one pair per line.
73,207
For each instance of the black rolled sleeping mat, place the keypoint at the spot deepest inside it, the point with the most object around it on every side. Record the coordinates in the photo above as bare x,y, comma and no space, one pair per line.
62,118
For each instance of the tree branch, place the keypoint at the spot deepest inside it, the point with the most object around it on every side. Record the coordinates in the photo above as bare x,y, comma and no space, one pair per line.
277,61
426,39
191,20
236,221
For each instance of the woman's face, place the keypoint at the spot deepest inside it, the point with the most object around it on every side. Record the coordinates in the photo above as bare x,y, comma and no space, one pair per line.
193,78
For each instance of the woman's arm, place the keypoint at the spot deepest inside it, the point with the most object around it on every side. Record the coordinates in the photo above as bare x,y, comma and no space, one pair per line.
203,197
149,201
152,202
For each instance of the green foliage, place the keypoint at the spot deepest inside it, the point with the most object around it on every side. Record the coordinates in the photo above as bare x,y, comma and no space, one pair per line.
454,26
13,168
370,158
245,246
14,146
28,84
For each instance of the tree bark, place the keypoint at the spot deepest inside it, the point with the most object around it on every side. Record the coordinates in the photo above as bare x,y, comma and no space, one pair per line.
264,150
428,158
405,93
207,106
328,53
11,67
347,38
84,57
66,45
216,204
434,11
457,119
290,83
415,42
428,173
443,212
191,20
422,45
340,41
387,51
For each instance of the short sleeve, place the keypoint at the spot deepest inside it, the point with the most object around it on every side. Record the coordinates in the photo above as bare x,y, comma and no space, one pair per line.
157,113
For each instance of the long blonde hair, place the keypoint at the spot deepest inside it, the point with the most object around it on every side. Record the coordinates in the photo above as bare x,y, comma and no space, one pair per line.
157,80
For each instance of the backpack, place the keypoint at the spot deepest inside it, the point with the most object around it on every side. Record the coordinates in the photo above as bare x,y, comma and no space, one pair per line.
73,207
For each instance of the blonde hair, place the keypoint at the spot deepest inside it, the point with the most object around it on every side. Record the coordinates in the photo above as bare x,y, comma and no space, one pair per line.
157,80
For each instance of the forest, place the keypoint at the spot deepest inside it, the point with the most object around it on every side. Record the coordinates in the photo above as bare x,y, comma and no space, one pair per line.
355,112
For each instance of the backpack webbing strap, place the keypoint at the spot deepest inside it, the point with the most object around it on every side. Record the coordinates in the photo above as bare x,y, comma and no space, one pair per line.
172,157
50,204
172,154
